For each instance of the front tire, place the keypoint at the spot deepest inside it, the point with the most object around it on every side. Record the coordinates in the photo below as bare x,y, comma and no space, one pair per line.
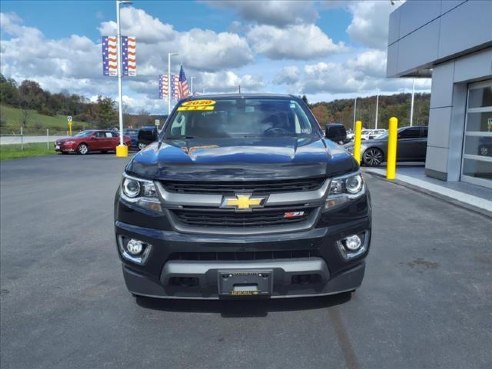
83,149
373,157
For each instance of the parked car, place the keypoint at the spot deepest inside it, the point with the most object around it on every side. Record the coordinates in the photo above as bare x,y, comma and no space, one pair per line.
336,132
375,133
89,141
244,197
133,134
365,133
146,135
412,146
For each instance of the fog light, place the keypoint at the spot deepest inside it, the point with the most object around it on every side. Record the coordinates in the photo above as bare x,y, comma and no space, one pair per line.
134,250
134,247
352,243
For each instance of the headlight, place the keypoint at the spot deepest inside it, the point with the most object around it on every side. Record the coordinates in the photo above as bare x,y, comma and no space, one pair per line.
354,184
140,192
344,189
131,187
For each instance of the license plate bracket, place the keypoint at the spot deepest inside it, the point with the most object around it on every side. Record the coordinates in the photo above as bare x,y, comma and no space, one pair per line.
245,282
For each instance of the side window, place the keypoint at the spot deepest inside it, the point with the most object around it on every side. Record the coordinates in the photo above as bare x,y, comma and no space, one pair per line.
424,131
178,126
100,134
413,132
115,134
109,134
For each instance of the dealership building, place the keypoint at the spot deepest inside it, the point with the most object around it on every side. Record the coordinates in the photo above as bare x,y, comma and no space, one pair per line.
450,41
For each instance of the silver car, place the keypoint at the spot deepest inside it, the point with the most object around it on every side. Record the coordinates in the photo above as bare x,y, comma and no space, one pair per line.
412,146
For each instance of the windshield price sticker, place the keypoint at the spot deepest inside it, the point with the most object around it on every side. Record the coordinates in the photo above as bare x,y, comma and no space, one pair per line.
196,108
198,105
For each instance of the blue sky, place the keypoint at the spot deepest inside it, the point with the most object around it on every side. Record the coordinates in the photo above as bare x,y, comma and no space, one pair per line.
324,49
62,18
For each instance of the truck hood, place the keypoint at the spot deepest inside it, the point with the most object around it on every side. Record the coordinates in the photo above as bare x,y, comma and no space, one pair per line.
241,159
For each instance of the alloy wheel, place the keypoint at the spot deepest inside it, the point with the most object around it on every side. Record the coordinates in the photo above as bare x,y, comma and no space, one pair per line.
373,157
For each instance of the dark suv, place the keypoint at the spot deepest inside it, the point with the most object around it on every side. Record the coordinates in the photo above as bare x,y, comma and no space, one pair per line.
337,133
242,195
146,135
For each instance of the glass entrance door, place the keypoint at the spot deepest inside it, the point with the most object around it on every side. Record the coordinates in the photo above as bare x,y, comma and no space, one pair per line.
477,147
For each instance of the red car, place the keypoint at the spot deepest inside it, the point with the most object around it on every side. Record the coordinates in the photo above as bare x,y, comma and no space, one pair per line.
93,140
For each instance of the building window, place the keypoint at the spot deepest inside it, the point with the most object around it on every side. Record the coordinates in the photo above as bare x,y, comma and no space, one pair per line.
477,148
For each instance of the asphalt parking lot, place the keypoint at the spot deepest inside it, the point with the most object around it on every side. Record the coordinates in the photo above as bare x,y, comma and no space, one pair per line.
426,301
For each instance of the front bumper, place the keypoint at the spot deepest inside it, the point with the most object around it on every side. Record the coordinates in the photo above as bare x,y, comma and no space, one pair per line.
65,148
207,273
312,252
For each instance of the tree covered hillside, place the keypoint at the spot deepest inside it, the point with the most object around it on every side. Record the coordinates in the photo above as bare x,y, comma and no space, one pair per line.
342,111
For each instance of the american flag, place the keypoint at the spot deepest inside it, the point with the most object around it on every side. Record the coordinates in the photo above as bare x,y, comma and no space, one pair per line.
183,89
128,46
110,56
163,86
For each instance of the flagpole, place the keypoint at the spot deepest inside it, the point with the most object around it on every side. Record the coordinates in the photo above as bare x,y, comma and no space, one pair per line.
169,81
120,87
121,150
191,85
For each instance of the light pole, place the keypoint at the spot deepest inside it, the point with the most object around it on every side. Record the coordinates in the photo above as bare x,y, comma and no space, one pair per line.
412,102
169,81
355,110
121,150
377,110
191,85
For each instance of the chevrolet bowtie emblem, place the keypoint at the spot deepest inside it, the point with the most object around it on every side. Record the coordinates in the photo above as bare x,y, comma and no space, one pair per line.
243,202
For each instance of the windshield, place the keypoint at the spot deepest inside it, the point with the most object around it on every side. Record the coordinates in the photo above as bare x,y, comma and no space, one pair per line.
84,134
250,117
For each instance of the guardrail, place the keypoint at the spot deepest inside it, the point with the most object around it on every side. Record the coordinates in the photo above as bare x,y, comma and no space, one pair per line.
26,137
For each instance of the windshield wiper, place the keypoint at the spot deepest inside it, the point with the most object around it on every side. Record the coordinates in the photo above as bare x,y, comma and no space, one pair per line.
179,137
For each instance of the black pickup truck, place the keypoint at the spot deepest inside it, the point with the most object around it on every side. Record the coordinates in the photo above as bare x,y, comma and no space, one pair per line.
241,196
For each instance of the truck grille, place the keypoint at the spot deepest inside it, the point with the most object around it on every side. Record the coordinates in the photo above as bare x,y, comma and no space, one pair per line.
230,218
257,187
249,255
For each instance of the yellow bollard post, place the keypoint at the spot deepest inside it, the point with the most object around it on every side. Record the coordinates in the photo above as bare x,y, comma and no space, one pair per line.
121,151
70,128
392,146
357,140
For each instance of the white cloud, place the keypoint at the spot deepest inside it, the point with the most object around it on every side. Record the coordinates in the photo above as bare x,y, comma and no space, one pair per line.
288,75
329,77
136,22
294,42
229,82
369,24
207,50
370,62
219,61
275,13
198,48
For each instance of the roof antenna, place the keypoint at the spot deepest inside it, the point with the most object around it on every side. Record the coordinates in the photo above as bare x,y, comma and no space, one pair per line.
239,89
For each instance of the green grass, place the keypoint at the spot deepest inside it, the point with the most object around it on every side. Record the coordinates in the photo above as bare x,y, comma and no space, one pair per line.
8,152
12,118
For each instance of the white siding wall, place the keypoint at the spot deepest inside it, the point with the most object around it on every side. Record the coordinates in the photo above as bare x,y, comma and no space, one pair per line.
429,32
454,39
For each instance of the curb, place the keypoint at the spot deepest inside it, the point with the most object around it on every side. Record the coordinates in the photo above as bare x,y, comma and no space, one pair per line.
450,200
